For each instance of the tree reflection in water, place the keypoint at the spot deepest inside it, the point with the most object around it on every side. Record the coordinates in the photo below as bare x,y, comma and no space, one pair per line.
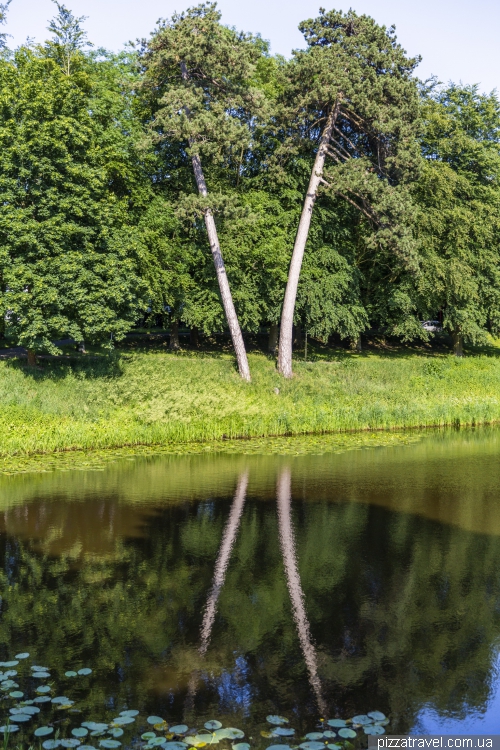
399,560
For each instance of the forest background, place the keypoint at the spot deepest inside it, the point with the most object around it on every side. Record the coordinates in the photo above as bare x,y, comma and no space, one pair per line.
120,172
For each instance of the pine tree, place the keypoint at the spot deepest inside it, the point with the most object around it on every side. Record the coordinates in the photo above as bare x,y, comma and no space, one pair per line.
197,74
352,95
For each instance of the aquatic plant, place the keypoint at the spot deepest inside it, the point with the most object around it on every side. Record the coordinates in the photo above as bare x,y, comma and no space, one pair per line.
38,718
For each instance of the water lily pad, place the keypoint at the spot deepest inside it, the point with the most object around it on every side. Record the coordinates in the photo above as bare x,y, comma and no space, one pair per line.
97,733
234,734
52,744
36,668
156,720
43,731
175,746
84,672
70,673
115,732
43,689
284,732
24,655
9,728
329,734
314,736
129,712
8,684
27,710
333,746
121,720
16,694
312,745
347,733
376,715
95,726
245,746
41,675
374,729
280,747
362,719
213,724
110,744
178,728
336,722
278,720
70,743
23,717
9,673
80,732
156,741
86,747
42,699
148,736
60,699
9,663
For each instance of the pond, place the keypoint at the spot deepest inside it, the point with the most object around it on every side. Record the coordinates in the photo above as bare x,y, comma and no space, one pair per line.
231,587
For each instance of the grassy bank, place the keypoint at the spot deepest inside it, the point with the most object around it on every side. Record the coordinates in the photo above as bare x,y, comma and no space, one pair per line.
151,396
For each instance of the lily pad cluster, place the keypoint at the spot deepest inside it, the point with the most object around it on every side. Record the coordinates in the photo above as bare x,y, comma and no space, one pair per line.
181,737
36,712
332,734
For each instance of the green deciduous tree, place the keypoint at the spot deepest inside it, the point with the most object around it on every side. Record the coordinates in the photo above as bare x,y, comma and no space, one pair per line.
68,38
459,213
68,245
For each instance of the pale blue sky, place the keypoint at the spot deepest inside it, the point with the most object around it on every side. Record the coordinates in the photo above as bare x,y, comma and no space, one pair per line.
458,39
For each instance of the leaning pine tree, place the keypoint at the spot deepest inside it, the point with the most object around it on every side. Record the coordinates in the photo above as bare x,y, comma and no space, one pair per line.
196,76
350,96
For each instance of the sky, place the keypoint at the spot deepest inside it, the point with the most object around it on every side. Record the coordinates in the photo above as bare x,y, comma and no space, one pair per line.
457,39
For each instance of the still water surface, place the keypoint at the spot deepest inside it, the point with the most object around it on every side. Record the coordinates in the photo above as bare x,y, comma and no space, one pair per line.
232,587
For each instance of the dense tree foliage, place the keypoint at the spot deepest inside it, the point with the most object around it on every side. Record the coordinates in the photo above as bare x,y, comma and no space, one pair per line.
113,168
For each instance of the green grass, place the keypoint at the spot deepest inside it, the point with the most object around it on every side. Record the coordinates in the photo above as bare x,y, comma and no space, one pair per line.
153,397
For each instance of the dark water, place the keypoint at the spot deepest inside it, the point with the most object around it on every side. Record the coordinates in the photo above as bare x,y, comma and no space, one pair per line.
232,587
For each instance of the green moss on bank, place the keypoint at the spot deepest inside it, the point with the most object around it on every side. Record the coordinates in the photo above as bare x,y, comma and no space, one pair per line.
159,398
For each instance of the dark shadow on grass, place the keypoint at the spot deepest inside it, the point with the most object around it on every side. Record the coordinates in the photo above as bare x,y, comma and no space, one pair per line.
55,368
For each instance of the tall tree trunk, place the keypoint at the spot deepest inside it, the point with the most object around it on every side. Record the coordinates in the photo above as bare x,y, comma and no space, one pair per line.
174,336
355,344
286,333
458,343
272,344
220,269
31,358
194,338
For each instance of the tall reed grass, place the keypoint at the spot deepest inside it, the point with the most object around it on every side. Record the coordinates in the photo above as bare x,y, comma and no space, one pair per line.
157,398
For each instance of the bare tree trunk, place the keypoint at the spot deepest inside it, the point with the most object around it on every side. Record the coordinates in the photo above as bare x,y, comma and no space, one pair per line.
194,338
31,358
273,338
355,344
287,541
286,333
220,269
458,343
174,336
